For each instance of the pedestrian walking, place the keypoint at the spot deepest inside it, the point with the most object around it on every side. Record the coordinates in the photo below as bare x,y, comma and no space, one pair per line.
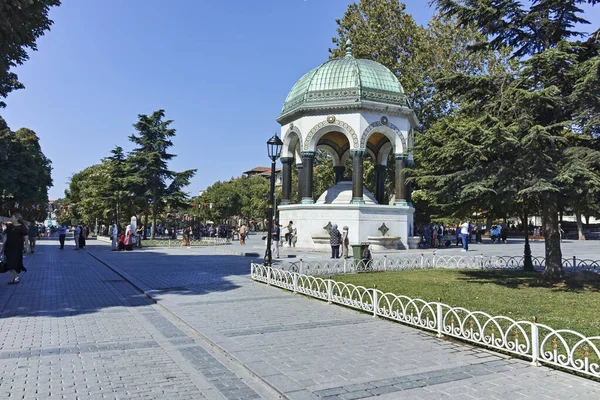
62,234
275,236
335,239
33,233
464,231
82,236
243,233
76,234
289,232
13,247
345,242
115,238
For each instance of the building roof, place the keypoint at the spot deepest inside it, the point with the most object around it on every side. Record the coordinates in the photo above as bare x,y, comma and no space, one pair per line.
262,171
345,80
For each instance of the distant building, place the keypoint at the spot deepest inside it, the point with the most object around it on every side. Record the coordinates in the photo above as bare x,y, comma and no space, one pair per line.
266,173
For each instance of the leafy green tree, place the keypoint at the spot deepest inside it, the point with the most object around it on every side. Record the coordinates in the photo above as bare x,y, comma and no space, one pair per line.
26,174
21,24
149,163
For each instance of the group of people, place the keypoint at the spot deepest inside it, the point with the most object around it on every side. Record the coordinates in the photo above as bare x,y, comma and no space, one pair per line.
290,236
438,235
125,240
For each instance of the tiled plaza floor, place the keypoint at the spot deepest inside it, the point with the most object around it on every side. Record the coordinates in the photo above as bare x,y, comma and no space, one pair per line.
75,328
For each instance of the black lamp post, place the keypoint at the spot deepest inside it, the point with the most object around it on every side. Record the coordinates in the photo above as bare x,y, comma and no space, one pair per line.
274,149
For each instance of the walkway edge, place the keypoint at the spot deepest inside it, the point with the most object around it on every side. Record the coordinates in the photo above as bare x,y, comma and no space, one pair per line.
147,291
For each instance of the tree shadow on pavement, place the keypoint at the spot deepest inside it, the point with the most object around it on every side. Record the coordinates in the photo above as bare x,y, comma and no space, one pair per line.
61,283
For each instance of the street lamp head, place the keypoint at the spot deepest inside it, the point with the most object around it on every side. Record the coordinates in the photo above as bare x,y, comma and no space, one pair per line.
274,147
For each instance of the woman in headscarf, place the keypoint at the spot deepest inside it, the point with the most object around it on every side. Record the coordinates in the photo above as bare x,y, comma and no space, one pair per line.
335,239
14,245
128,239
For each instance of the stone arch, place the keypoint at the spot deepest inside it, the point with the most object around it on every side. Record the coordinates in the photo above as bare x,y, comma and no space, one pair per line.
383,154
388,129
310,143
292,141
346,154
334,154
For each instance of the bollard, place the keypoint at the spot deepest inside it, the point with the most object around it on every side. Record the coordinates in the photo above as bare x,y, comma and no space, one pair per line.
375,301
344,265
433,264
329,290
439,317
385,262
269,276
300,269
535,343
422,260
481,261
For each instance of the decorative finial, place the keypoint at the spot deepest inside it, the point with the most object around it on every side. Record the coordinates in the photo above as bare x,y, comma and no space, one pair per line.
348,48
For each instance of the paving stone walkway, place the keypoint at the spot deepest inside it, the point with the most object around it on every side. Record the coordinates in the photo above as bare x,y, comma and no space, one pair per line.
78,327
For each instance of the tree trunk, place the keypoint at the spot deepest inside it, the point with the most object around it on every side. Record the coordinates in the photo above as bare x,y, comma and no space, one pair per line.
488,225
579,225
153,216
553,271
146,221
527,263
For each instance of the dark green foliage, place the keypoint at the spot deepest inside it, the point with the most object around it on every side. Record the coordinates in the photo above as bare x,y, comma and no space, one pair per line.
524,132
21,24
25,174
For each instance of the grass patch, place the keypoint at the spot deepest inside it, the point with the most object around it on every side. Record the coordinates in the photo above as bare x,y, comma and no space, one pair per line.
516,294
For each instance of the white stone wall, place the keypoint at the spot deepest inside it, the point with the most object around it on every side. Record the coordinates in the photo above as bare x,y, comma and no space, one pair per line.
362,220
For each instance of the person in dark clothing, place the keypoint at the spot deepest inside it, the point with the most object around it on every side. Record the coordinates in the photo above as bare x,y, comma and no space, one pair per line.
62,234
82,236
13,247
335,240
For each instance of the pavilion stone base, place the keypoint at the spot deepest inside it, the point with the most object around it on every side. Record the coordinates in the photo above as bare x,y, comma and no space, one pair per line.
363,220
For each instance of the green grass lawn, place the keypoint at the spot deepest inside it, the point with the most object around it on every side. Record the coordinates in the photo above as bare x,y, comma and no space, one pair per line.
516,294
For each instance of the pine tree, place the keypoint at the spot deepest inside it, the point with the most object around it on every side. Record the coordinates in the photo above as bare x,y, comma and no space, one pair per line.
149,161
534,107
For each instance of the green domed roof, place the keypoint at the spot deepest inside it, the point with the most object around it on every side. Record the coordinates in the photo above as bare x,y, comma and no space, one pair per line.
344,81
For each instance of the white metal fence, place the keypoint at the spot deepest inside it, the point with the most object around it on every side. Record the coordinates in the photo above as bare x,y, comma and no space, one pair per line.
537,342
341,266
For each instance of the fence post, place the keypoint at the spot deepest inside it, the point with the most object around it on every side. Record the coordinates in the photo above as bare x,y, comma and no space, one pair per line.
574,261
268,276
295,280
329,290
252,269
481,261
433,264
439,318
535,343
300,270
385,262
422,260
375,301
345,265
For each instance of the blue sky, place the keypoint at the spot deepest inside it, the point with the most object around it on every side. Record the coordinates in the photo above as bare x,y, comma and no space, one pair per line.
220,69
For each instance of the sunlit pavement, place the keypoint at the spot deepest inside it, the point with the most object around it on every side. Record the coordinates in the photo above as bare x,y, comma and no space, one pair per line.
78,326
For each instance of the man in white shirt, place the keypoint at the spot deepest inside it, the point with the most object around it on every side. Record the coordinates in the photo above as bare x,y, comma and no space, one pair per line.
464,231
